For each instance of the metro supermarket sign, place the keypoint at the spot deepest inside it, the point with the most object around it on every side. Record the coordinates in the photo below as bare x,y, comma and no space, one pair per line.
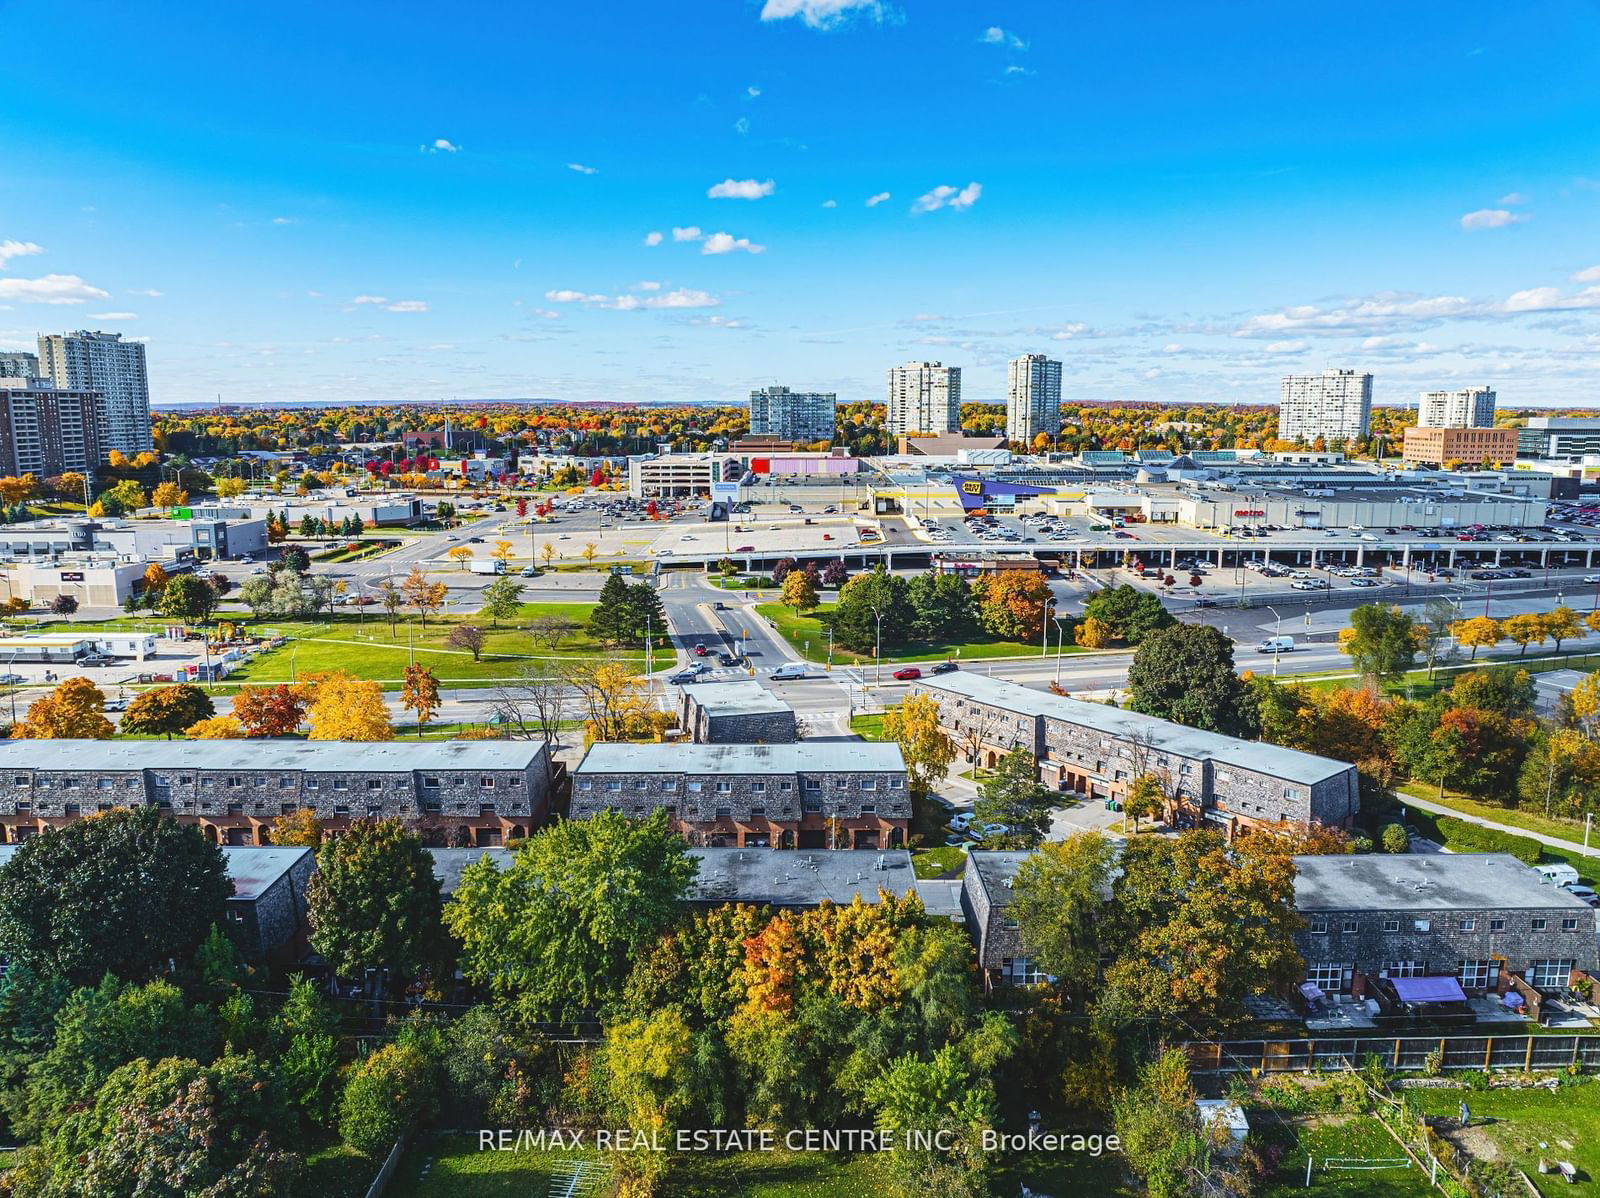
1248,511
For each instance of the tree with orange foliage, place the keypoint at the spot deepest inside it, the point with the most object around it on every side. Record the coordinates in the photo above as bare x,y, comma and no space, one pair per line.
70,712
269,710
1012,604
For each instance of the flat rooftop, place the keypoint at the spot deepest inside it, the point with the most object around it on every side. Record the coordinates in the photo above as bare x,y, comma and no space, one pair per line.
449,863
995,869
739,697
1424,882
800,878
254,869
1291,764
269,753
841,756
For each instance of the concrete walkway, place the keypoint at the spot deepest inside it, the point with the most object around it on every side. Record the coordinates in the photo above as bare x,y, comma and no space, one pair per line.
1554,842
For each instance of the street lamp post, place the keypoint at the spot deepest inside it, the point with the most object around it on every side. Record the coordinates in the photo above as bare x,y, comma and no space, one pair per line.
1061,643
877,648
1277,644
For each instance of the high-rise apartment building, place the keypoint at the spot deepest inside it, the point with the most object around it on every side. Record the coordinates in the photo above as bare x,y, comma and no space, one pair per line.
1470,407
793,415
1335,405
18,365
45,429
1033,398
104,362
924,397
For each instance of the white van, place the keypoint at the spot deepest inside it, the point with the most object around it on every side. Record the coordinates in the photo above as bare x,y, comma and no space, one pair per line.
791,672
1557,874
1276,644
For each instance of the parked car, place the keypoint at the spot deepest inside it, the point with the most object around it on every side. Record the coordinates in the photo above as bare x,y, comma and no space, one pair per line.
1363,582
961,821
908,673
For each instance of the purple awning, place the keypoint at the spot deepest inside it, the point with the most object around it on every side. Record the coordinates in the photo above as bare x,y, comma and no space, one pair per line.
1432,989
1311,991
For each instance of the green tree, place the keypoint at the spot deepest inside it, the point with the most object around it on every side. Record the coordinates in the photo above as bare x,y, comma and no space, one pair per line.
648,1065
1159,1126
1185,673
1011,795
943,608
862,602
167,710
187,597
1503,689
1130,614
1394,839
611,620
1381,641
387,1091
556,932
943,1097
644,610
307,1031
502,598
123,893
374,901
1057,897
1145,799
1199,925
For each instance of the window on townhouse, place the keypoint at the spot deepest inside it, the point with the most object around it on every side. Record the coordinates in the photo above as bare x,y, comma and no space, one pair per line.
374,784
869,784
783,786
1319,926
585,784
617,785
341,784
1333,977
286,782
106,783
1467,925
1391,925
1405,969
758,788
430,781
669,786
1550,974
897,784
696,786
1569,925
813,784
724,788
724,813
1497,925
869,809
1478,975
1348,925
1021,971
1421,925
486,782
1540,924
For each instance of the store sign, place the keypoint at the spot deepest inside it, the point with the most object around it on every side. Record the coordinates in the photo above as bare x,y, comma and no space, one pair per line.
72,576
971,487
1245,511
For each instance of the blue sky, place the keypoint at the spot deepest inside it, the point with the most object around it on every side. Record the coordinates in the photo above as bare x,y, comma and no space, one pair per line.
1181,201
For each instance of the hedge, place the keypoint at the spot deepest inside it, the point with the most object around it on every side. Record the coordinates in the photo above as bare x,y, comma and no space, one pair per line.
1458,834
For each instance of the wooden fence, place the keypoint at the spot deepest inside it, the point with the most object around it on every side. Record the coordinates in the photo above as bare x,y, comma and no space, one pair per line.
1399,1054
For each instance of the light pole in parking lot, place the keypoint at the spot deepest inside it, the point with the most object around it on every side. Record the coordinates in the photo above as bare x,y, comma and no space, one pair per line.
1049,614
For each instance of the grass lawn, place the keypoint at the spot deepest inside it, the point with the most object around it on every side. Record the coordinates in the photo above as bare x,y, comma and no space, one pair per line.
1511,817
1509,1125
939,862
868,727
365,645
1325,1136
773,1175
453,1167
1415,684
339,1171
809,637
740,582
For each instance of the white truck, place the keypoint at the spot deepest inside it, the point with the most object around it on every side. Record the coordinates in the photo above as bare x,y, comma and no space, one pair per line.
1276,644
492,566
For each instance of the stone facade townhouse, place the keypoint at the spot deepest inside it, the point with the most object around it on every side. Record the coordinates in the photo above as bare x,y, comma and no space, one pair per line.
451,792
985,904
736,713
808,795
1478,917
1098,751
267,913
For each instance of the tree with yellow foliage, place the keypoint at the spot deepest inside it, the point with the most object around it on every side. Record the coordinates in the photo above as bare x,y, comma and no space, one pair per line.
1526,630
229,488
116,459
155,578
1478,632
168,495
461,555
14,490
420,694
1092,634
589,550
928,751
547,551
501,551
611,697
70,712
423,593
1561,624
144,459
300,829
217,727
347,708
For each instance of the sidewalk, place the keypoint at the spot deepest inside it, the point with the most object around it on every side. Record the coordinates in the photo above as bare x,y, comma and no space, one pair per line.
1554,842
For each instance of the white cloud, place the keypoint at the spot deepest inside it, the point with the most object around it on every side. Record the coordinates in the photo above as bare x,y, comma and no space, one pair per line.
1068,331
1387,314
441,145
1288,347
652,238
647,285
1014,69
740,189
50,289
17,249
742,126
822,14
1589,275
830,203
727,243
687,233
150,291
945,196
1512,199
547,313
369,299
752,91
1172,347
583,170
996,36
681,298
874,200
1491,218
407,306
113,316
285,220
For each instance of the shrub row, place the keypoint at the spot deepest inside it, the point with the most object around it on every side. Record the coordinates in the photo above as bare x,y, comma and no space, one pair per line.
1458,835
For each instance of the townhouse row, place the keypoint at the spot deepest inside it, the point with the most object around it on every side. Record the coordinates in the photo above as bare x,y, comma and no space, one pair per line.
1099,751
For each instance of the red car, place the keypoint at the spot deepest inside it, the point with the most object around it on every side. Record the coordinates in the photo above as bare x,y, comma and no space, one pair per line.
908,673
700,650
